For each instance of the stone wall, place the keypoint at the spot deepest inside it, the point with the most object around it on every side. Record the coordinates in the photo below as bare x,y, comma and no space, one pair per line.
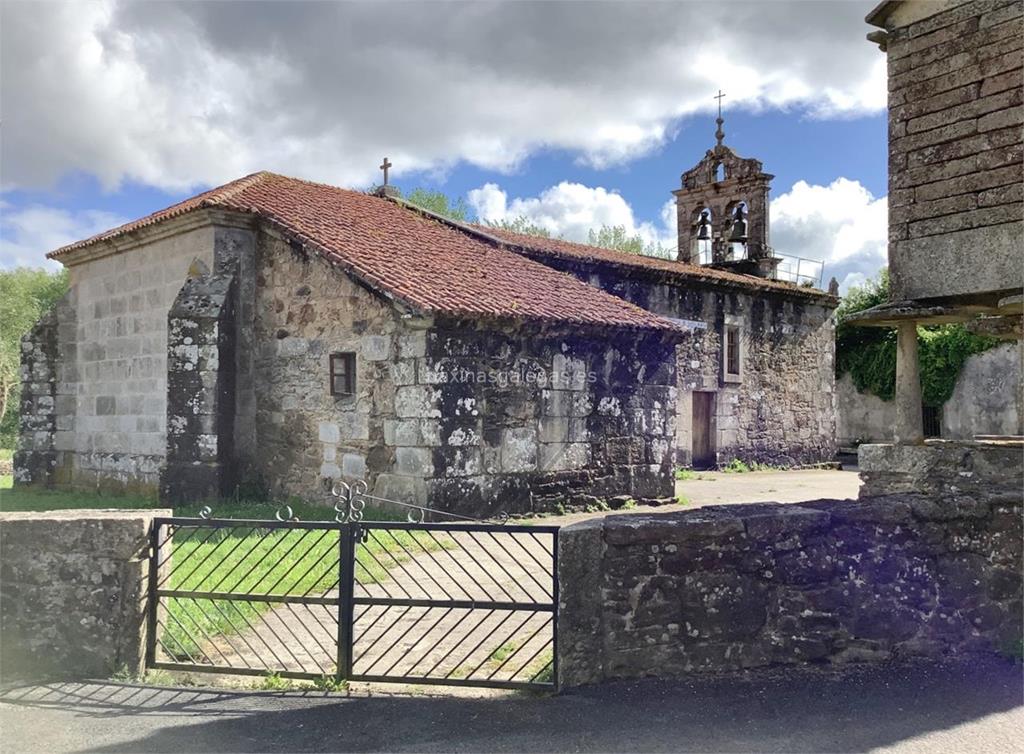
35,460
200,461
831,582
861,417
110,377
942,467
782,409
306,309
989,395
520,418
986,401
449,413
955,148
73,592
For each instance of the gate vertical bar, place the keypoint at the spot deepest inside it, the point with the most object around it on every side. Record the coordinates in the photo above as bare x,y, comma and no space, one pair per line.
347,535
554,616
152,599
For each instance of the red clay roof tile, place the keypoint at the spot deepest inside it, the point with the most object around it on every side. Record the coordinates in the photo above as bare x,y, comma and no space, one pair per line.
560,248
424,262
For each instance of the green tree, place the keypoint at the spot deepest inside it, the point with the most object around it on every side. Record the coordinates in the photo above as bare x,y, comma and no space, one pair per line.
615,237
868,354
520,224
439,203
25,295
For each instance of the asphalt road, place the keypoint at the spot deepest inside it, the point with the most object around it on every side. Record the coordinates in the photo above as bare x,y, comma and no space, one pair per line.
972,706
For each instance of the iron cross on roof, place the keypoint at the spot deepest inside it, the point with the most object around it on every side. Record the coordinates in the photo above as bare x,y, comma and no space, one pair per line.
719,97
384,166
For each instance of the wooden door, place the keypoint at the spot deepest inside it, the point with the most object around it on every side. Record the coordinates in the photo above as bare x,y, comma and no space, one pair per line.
703,444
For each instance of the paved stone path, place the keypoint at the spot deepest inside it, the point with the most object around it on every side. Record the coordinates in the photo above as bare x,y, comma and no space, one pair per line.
468,642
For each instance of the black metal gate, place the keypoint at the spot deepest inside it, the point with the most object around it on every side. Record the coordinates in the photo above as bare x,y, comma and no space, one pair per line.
471,604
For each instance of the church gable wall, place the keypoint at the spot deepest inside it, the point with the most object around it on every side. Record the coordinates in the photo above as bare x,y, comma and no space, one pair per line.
109,375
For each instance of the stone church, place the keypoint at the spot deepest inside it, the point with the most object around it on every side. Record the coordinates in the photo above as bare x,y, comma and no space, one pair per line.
275,335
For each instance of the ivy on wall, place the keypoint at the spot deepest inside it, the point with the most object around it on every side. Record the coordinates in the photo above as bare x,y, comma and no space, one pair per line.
868,354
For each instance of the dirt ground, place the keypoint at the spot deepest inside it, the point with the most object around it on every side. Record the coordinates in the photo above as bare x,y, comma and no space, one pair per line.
720,488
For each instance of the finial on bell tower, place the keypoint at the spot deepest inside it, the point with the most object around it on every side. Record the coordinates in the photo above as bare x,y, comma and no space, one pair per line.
719,133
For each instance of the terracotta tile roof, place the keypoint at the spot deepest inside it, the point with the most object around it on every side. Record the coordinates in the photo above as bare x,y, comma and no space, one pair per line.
403,253
538,247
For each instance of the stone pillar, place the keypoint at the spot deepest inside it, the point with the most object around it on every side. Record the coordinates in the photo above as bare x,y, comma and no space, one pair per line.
36,458
200,389
73,594
909,428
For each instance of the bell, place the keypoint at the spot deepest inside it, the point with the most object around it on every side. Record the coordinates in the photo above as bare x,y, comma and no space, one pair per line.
702,227
739,227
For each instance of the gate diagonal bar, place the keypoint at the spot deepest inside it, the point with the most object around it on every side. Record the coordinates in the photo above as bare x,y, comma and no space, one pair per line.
466,604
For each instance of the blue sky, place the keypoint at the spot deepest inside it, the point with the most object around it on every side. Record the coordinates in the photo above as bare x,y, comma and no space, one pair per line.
791,145
572,114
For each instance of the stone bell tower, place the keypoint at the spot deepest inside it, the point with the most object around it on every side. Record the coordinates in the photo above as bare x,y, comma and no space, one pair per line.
722,209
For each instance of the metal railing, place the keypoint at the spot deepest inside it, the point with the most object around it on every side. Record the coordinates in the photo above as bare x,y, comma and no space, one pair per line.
791,269
464,602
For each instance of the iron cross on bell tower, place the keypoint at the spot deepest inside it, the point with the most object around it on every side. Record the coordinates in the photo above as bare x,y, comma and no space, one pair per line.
719,133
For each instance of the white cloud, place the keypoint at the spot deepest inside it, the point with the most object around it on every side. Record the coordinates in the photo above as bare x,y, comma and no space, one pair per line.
27,234
841,224
571,210
174,95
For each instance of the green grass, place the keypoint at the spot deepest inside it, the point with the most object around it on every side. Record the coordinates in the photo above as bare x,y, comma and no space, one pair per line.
687,475
6,454
736,466
264,559
503,652
278,561
52,500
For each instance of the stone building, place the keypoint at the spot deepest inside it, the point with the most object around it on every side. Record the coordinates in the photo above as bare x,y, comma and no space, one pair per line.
956,172
956,215
274,334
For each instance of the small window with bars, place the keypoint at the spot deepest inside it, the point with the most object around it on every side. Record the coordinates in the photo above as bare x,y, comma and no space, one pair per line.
343,374
732,351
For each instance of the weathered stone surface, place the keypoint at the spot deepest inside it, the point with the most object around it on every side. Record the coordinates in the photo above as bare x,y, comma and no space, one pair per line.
831,581
944,470
954,150
109,342
782,409
72,592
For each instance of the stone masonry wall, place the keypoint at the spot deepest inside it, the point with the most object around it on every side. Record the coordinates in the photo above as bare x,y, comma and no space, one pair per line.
422,428
987,400
782,410
73,593
200,463
305,311
955,150
741,586
942,467
35,460
521,418
111,383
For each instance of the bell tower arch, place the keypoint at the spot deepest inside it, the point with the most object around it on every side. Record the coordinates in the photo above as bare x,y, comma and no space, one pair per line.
722,211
